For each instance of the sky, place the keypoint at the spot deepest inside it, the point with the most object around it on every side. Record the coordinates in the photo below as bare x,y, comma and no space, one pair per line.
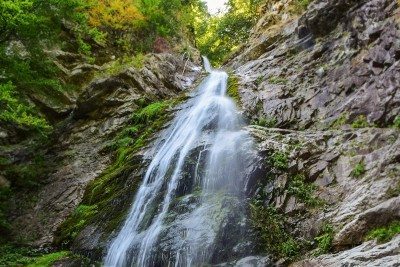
215,5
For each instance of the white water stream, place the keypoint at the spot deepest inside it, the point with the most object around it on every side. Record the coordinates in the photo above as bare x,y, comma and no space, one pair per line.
209,116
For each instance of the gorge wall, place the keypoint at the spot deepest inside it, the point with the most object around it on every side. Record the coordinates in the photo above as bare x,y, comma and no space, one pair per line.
320,92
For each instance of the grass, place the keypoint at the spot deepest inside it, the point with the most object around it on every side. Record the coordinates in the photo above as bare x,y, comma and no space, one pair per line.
358,170
49,259
386,233
24,256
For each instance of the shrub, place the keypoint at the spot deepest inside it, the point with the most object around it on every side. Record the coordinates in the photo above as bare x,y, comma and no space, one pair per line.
358,170
384,234
360,122
268,122
324,240
279,160
303,191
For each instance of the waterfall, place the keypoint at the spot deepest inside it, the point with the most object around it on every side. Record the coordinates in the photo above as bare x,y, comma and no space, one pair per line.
193,180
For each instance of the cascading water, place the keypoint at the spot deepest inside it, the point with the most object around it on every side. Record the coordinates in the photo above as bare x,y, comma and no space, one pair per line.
194,179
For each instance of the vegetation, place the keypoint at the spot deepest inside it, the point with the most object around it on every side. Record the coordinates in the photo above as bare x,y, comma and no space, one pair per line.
386,233
219,36
277,80
394,191
358,170
279,160
22,256
233,88
360,122
304,192
145,122
270,224
396,122
324,240
268,122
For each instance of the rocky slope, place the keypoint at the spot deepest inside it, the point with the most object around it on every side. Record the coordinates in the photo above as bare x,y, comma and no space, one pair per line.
329,79
81,149
322,92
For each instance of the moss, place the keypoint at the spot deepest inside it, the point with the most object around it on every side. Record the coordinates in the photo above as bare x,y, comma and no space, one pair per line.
75,223
233,88
268,122
48,259
324,240
101,194
360,122
358,170
386,233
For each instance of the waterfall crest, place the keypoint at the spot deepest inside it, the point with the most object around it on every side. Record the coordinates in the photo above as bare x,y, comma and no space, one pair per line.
195,176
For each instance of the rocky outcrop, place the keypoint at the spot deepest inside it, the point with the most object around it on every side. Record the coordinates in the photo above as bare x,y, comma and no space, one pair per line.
79,152
329,80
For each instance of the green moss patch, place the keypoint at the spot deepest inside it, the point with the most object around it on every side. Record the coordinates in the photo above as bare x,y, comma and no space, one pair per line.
116,184
324,240
24,256
233,88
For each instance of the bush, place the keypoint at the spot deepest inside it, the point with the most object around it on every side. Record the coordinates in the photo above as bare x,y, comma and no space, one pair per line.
358,170
13,110
384,234
279,160
324,240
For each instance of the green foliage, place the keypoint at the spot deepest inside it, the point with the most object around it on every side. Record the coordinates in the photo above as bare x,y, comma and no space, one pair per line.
277,80
117,66
303,191
324,240
49,259
25,256
279,160
268,122
384,234
219,36
13,110
358,170
270,224
145,122
76,222
360,122
340,121
233,88
396,122
300,6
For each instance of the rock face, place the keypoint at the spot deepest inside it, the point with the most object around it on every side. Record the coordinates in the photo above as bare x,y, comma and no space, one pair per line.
79,153
329,80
